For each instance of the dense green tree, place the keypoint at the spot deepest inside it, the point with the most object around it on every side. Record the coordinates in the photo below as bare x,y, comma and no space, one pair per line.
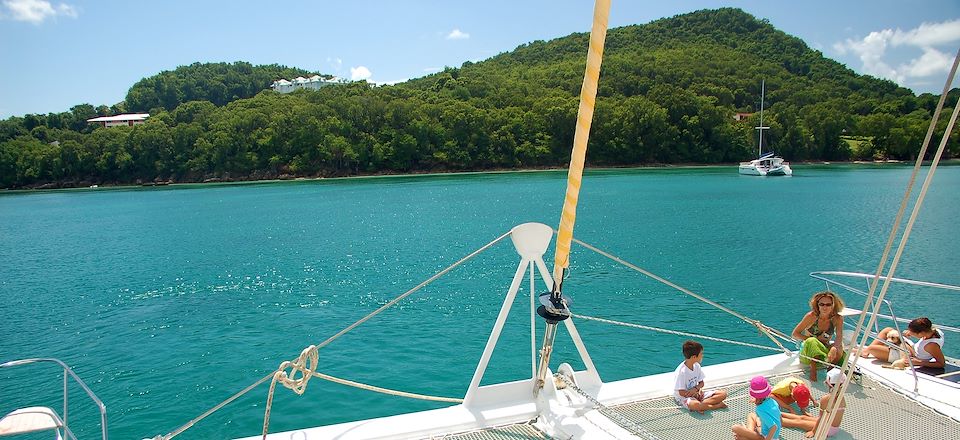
668,93
80,114
218,83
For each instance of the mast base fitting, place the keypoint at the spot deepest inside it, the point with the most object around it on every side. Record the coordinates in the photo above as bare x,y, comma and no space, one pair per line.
553,308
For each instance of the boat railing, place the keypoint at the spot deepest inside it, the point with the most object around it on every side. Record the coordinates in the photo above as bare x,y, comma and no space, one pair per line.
867,278
829,277
67,375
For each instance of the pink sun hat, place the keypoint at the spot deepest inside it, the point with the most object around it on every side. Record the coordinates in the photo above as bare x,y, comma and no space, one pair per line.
759,387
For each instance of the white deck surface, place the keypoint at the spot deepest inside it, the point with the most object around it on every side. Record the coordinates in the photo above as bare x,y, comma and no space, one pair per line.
875,410
32,419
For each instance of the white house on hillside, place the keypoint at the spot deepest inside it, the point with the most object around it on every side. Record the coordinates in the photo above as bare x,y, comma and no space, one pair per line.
314,82
129,119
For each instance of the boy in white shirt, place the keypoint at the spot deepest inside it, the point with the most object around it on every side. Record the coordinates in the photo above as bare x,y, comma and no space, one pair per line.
688,390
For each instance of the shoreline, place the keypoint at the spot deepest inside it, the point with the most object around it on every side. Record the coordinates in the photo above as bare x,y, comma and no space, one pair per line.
230,181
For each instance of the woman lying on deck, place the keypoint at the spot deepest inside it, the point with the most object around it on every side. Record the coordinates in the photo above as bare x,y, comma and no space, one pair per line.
926,352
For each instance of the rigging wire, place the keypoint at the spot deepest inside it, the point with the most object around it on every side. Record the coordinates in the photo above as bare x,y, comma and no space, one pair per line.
870,305
674,332
274,374
771,332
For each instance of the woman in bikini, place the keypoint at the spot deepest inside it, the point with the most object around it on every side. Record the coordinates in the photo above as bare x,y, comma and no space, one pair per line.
820,328
926,352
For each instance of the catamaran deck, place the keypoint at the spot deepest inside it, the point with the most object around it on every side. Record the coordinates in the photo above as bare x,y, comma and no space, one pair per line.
874,412
519,431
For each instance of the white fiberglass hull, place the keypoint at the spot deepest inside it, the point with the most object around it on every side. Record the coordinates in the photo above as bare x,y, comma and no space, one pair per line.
643,406
766,167
564,414
783,170
514,402
749,169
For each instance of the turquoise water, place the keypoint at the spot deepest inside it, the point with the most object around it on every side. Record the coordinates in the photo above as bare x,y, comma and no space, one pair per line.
169,300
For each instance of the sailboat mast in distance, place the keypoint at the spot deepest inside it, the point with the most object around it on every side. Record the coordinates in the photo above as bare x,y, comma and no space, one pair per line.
768,164
760,128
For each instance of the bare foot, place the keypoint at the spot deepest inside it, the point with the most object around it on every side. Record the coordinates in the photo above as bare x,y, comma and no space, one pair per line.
721,405
809,434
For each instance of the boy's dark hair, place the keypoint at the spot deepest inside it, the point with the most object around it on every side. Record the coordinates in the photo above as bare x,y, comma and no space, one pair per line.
691,349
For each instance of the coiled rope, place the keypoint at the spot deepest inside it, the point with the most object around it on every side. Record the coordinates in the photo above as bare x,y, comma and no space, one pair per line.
305,366
307,362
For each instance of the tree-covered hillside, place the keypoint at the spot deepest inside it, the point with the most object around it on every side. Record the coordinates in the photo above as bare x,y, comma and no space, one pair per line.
668,93
218,83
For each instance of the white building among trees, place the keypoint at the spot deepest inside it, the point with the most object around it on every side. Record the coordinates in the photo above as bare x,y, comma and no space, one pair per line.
314,82
128,119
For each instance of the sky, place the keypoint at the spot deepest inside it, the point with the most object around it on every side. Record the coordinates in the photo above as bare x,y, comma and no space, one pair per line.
56,54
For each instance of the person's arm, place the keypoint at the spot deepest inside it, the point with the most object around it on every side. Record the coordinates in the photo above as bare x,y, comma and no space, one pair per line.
773,430
783,405
692,392
937,362
800,332
838,327
907,343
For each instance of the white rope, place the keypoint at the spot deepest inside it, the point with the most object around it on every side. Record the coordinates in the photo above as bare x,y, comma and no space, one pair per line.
305,366
301,368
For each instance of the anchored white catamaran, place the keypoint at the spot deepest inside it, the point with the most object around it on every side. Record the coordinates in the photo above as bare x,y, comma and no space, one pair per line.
881,402
766,164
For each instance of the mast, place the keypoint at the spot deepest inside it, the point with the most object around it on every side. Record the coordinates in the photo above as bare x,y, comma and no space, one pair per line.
760,127
554,307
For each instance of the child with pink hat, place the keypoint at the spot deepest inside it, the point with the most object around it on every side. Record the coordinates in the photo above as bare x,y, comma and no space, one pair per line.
765,422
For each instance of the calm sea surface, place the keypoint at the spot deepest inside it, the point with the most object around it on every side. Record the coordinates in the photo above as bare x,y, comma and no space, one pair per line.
168,300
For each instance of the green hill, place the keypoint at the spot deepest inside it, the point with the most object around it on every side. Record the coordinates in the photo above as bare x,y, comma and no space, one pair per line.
668,93
218,83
